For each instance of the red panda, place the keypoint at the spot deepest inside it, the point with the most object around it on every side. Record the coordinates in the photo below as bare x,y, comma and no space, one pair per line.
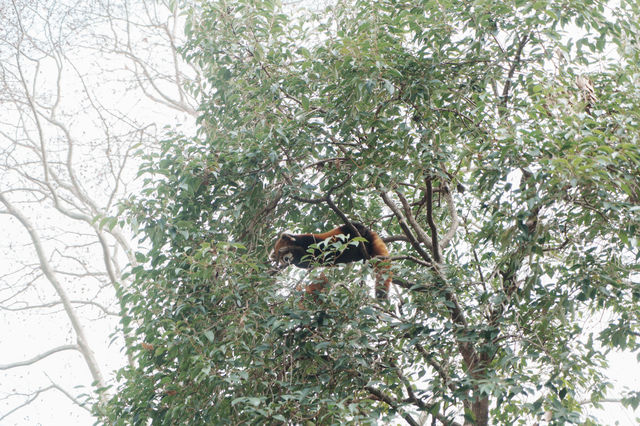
293,249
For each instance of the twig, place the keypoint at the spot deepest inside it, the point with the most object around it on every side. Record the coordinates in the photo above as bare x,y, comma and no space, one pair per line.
27,402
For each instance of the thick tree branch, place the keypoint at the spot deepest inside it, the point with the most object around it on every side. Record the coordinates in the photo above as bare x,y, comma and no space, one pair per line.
467,350
453,214
435,246
405,227
394,238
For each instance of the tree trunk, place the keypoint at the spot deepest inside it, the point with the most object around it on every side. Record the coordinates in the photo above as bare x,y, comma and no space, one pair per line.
479,412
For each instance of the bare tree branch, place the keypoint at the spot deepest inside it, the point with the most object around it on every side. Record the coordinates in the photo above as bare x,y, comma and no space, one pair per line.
39,357
26,402
52,304
71,397
83,344
66,151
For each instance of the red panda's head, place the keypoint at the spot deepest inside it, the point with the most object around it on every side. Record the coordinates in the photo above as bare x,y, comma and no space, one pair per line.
286,252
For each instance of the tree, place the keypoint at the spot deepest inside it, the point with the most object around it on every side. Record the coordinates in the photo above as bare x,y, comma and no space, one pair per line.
82,88
495,147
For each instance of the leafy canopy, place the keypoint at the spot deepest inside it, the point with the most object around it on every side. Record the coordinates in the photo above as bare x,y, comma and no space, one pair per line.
494,144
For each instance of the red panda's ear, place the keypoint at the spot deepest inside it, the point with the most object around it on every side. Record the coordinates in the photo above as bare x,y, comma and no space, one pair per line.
288,237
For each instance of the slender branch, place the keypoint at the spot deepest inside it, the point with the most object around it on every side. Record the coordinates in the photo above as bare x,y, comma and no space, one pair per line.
516,62
605,400
321,163
411,286
264,212
420,403
52,304
559,247
477,260
39,357
68,395
37,393
27,402
391,403
308,200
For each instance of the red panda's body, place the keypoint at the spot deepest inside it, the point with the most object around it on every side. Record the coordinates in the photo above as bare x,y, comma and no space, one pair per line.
294,249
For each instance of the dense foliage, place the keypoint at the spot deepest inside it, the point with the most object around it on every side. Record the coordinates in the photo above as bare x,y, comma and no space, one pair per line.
495,145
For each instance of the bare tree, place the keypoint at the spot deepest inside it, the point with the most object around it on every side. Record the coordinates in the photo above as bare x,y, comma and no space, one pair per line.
83,86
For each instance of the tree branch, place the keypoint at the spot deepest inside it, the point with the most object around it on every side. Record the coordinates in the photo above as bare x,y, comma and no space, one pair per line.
394,238
39,357
455,221
405,227
420,233
467,350
391,403
27,402
417,401
83,344
512,69
432,225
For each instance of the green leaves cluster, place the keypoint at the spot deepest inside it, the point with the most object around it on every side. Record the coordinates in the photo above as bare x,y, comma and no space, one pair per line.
495,143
